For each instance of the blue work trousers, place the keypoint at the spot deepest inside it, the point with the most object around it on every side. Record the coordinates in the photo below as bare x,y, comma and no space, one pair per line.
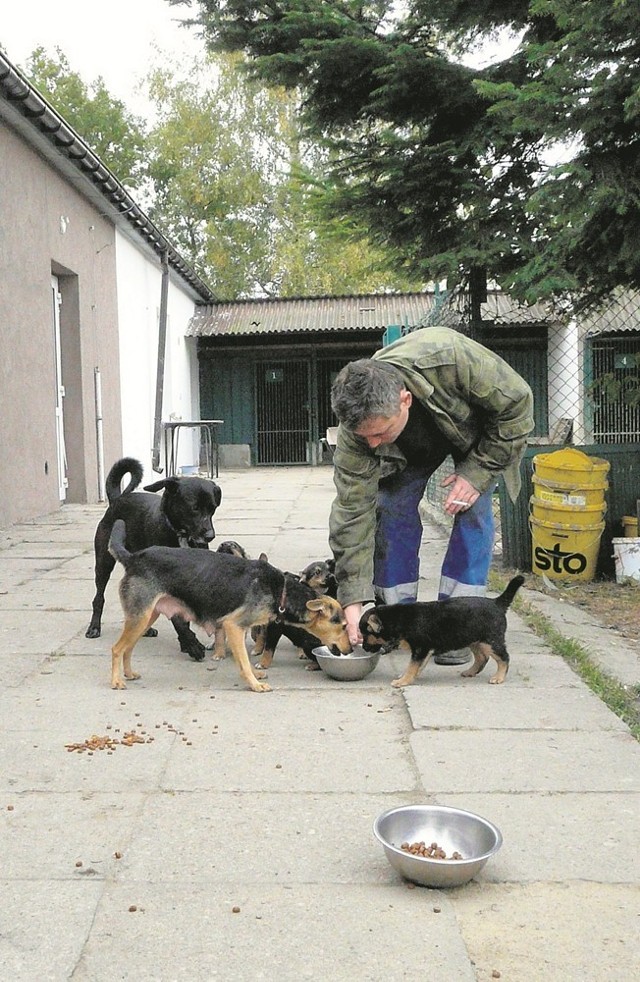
399,534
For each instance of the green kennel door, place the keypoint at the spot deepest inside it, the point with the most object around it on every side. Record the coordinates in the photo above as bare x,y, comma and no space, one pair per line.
283,412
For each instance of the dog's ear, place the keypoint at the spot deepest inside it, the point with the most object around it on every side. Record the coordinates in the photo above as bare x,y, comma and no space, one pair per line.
263,557
373,623
326,604
217,493
168,483
319,604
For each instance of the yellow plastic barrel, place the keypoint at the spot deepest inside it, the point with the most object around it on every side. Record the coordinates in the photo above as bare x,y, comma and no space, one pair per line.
563,551
567,511
573,494
559,511
570,468
630,526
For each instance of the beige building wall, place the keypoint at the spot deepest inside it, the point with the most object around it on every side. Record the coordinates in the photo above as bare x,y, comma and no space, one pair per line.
47,227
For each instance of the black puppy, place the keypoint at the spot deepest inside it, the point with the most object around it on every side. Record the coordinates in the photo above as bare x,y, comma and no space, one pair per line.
213,589
181,517
432,628
321,578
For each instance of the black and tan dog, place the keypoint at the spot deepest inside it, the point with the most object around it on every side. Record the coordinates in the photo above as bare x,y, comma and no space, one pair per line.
433,628
232,548
211,588
320,577
182,516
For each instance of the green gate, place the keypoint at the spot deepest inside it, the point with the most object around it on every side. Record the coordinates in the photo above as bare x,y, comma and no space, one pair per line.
283,411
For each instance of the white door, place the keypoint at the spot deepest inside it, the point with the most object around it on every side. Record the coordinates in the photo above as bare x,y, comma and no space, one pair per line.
56,301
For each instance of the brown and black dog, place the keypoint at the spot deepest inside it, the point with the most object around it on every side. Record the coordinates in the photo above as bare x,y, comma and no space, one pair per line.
320,577
182,516
232,548
433,628
212,588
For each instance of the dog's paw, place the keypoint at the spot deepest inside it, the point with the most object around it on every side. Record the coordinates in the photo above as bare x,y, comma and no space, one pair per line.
261,687
92,632
118,684
195,650
150,633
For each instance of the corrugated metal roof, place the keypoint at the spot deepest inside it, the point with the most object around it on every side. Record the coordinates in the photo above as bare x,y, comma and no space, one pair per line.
362,312
621,314
500,310
503,311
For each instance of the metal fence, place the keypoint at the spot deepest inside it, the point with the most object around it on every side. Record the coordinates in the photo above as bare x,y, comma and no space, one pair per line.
592,362
584,381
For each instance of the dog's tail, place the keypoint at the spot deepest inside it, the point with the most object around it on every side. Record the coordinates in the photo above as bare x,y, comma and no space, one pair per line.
127,465
117,540
506,598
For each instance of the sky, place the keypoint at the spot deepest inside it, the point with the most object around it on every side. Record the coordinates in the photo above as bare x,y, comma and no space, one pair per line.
116,39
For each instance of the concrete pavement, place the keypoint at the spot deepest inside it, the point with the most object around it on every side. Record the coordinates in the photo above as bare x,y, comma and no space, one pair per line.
235,842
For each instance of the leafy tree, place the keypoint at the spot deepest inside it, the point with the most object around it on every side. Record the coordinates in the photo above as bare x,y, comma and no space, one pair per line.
235,188
224,173
103,122
456,167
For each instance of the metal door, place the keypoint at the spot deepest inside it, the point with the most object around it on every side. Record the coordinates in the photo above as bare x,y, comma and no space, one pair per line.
63,482
615,420
283,412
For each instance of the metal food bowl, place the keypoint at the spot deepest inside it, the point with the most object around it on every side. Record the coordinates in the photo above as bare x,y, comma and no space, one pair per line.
347,668
453,829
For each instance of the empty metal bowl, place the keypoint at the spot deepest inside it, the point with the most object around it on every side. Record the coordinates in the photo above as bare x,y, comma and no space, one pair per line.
453,829
347,668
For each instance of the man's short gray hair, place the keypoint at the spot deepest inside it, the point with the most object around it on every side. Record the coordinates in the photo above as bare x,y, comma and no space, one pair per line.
366,389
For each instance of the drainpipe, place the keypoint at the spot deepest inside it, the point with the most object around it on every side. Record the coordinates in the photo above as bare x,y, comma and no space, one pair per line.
162,341
97,383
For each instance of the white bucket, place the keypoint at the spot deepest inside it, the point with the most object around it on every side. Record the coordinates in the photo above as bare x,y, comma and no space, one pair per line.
626,553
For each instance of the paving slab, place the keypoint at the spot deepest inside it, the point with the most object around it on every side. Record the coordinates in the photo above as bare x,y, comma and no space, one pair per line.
16,669
283,838
45,595
532,760
40,631
293,741
560,837
570,931
44,925
265,801
62,836
469,704
18,570
252,932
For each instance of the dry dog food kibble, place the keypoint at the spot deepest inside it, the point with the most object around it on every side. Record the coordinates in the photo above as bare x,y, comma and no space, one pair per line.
433,851
96,742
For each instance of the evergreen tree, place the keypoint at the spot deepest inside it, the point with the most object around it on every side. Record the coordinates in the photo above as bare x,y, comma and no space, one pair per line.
527,167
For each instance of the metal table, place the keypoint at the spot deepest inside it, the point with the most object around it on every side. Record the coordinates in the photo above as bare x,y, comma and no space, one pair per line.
208,432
